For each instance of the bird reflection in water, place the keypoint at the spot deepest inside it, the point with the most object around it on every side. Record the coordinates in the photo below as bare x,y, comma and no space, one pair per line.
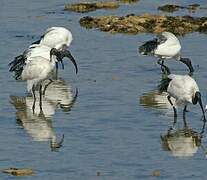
38,123
182,142
155,99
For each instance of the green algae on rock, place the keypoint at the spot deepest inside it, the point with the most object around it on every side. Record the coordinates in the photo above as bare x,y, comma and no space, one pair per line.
87,7
146,23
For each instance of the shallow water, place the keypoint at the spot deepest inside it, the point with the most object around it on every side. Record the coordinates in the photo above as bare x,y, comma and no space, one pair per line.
107,128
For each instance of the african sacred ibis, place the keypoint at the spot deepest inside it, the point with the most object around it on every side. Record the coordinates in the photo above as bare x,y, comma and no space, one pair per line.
165,46
184,89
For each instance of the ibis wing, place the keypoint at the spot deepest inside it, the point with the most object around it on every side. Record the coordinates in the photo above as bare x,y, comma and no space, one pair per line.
38,68
148,47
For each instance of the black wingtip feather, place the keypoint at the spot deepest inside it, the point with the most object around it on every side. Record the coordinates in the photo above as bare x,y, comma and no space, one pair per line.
17,66
148,47
164,84
17,63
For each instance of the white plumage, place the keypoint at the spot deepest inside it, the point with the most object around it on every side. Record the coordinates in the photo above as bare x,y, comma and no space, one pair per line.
165,46
54,42
35,50
169,48
184,89
37,70
38,50
56,37
59,38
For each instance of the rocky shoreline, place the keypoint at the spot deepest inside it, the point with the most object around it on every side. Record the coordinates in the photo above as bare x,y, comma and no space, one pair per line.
147,23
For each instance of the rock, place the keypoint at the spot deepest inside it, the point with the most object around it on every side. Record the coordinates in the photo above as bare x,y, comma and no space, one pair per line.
19,172
193,6
87,7
169,8
146,23
172,7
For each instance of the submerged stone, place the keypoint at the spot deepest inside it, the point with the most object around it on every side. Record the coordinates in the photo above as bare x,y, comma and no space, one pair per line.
169,8
146,23
19,172
156,173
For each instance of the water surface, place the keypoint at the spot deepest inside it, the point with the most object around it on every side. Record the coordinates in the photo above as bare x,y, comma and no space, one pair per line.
108,129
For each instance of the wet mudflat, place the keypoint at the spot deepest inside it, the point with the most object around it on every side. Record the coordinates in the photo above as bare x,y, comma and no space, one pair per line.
117,126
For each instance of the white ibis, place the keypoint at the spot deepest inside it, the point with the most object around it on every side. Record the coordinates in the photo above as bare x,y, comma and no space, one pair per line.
184,89
33,70
165,46
36,50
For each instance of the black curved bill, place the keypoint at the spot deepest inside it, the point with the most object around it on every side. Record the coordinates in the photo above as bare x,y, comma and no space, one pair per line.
66,53
201,105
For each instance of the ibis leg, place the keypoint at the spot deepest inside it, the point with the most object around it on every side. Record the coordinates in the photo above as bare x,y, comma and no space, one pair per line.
56,69
34,98
62,64
174,109
163,67
184,116
203,128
